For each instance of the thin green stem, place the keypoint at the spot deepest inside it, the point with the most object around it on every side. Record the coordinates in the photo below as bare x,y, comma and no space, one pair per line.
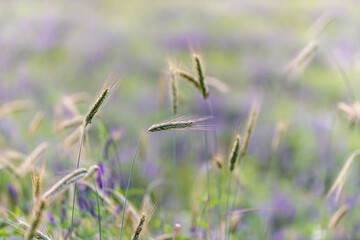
98,206
128,185
75,186
207,182
227,209
175,183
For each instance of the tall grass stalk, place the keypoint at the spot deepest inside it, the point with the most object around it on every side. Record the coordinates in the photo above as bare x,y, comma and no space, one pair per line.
128,185
207,182
75,185
227,209
175,176
98,206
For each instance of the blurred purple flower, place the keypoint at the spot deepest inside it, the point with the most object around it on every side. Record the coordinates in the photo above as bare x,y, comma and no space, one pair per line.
99,179
63,214
51,219
283,208
279,235
13,193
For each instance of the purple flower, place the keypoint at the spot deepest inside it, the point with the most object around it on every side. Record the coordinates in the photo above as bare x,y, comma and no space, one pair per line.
99,179
13,193
51,219
63,214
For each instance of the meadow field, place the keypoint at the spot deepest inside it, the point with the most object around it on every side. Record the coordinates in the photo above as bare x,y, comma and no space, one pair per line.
179,120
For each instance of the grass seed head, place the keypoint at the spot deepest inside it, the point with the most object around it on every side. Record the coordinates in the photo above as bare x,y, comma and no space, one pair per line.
178,123
201,76
234,153
107,90
249,127
338,216
64,183
188,77
174,91
139,228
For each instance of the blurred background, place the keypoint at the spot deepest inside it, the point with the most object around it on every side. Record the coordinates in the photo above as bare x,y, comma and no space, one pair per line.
301,58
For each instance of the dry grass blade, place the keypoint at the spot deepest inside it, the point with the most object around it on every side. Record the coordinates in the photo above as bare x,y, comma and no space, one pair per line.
69,104
338,216
32,157
351,111
35,123
64,183
79,97
254,112
341,178
10,167
12,154
320,24
73,122
14,106
36,219
73,137
280,129
217,84
301,60
37,234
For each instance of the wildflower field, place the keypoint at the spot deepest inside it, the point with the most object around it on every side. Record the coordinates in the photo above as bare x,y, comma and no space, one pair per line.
179,120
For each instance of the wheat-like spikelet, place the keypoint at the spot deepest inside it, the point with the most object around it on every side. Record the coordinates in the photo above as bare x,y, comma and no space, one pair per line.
37,181
12,154
217,84
91,171
14,106
201,76
36,219
72,122
176,124
351,111
35,123
73,137
338,216
281,127
234,153
32,157
139,228
301,60
188,77
174,91
37,234
64,183
69,104
341,178
79,97
249,127
320,24
10,167
107,90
